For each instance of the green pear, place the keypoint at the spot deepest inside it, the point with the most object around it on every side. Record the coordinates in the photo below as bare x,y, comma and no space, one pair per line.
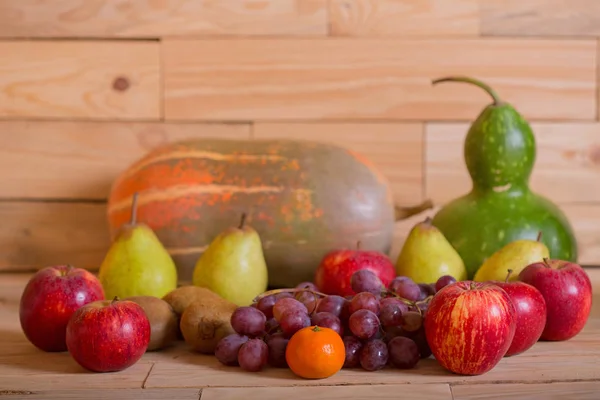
137,264
515,256
233,265
427,255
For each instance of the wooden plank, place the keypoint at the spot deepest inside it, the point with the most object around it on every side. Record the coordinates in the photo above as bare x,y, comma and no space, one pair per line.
566,169
425,392
80,79
135,19
106,394
554,391
36,234
372,79
73,160
584,218
552,18
396,149
404,18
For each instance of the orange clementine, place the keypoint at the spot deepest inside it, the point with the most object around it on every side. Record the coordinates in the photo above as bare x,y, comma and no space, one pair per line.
315,352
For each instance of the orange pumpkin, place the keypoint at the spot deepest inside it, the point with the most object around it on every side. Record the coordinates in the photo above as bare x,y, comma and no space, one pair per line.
315,352
303,198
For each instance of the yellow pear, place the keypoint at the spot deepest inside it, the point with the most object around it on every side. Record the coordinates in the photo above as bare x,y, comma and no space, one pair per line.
515,256
233,266
427,255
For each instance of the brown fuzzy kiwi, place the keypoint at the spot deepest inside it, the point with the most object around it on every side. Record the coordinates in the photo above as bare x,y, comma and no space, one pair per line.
164,324
183,296
206,321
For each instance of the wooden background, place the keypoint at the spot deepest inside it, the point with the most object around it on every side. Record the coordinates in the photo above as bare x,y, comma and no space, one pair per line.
88,86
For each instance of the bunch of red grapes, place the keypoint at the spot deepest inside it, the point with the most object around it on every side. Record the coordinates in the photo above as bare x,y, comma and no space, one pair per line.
379,326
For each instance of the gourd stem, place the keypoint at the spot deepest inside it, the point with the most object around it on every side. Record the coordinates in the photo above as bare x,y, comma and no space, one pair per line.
487,88
134,209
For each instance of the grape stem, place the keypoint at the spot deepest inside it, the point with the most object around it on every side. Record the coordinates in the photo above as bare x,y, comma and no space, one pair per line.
292,290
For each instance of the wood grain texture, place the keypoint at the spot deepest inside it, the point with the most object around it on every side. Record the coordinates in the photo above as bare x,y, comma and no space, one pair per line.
155,19
374,79
37,234
555,391
551,18
106,394
75,80
424,392
396,149
382,18
567,168
79,160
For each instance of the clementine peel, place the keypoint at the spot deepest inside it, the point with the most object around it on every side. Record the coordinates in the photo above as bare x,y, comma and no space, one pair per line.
315,352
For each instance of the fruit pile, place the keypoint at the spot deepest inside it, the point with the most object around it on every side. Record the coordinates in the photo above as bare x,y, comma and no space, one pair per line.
378,325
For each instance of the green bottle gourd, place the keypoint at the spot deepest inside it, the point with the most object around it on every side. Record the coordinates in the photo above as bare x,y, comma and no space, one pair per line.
499,152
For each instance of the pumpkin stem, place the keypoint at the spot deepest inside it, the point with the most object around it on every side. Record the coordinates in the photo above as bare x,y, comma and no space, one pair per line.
242,221
134,201
510,271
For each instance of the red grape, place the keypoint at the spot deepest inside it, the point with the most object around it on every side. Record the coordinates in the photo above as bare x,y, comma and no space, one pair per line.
426,290
253,355
283,295
226,350
364,301
272,325
391,315
444,281
353,347
248,321
332,304
309,299
403,352
366,280
265,305
364,324
421,340
293,320
391,300
287,304
411,321
327,320
277,344
374,355
406,288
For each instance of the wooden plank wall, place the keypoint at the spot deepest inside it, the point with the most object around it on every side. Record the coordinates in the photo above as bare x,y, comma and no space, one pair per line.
86,87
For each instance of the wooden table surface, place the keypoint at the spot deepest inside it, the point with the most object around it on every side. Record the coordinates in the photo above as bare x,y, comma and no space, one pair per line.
564,370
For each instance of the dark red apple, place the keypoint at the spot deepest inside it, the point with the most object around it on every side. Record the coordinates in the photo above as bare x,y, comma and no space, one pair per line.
108,335
469,326
567,290
335,271
530,308
49,299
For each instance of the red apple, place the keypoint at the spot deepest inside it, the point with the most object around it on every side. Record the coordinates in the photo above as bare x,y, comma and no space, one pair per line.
49,299
335,271
469,326
567,290
108,335
530,308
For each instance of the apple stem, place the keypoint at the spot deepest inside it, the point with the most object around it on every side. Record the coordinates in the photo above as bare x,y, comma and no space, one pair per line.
242,221
134,208
546,263
116,298
510,271
472,285
539,236
358,245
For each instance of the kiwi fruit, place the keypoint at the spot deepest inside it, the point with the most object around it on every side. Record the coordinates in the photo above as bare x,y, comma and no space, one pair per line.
164,323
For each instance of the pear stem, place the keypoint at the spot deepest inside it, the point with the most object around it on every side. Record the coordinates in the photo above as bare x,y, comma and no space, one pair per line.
242,221
487,88
539,236
134,201
510,271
